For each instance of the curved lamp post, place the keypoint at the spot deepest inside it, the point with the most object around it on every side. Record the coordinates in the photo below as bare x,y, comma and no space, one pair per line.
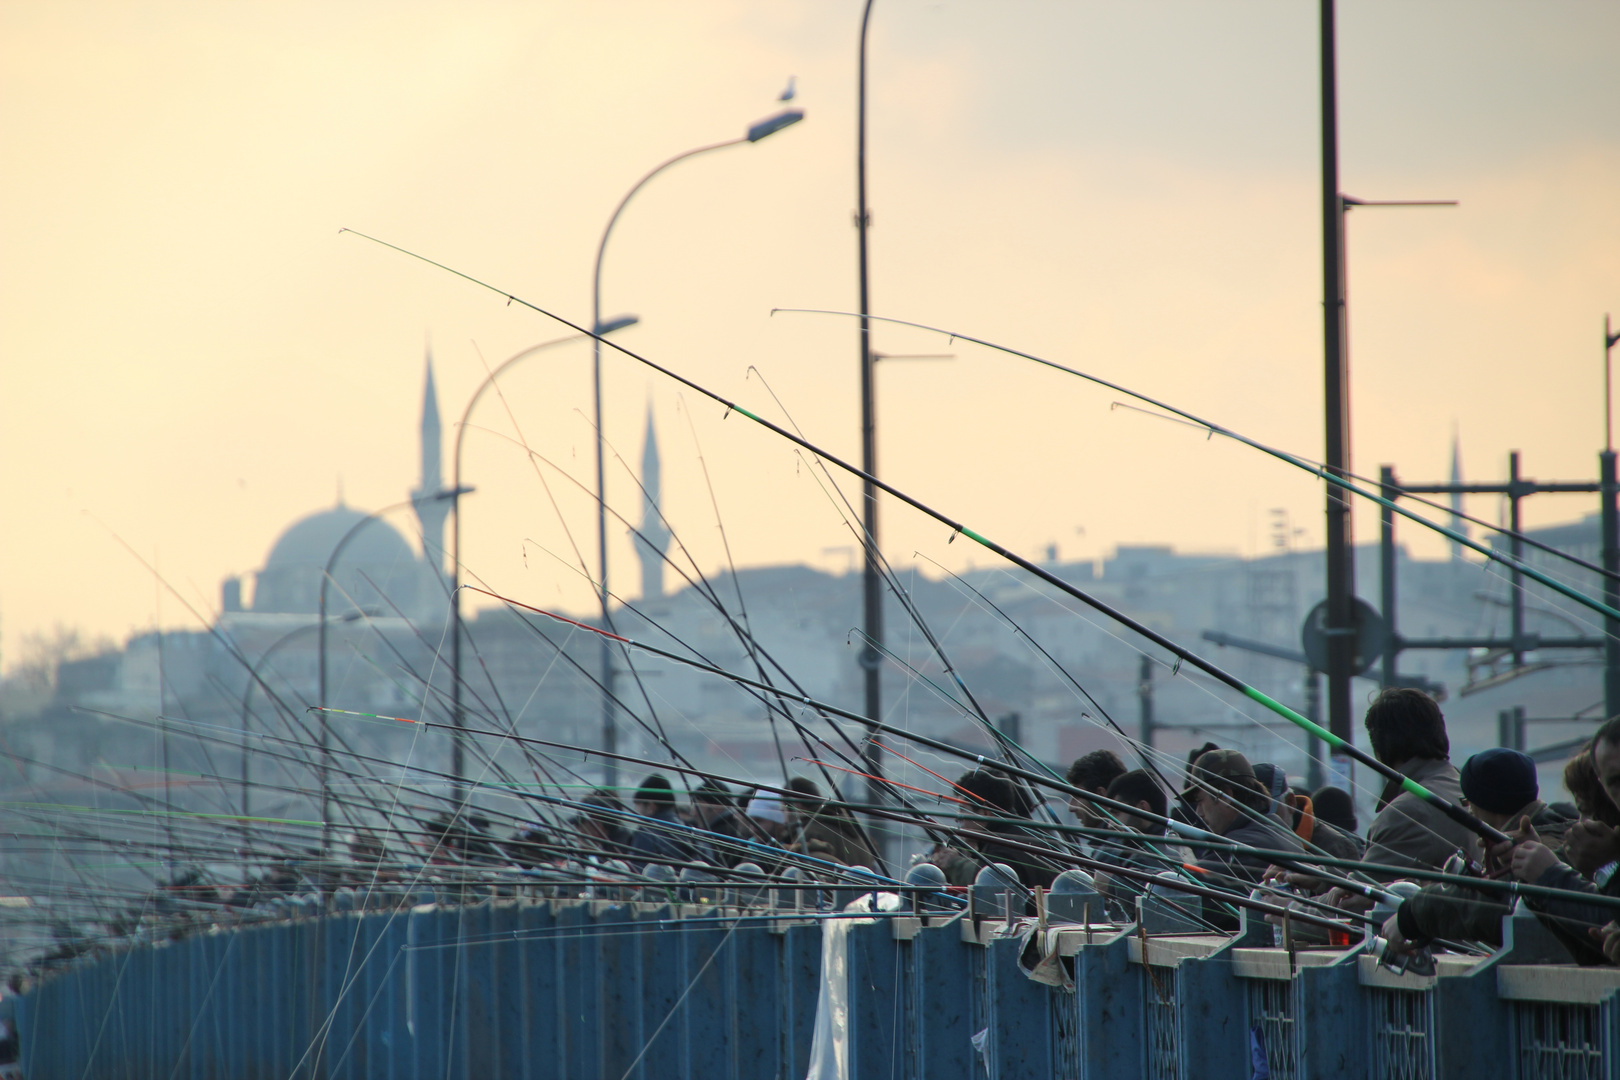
457,758
247,698
320,627
769,126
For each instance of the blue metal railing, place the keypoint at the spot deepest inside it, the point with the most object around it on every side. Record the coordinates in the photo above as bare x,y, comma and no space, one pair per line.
597,989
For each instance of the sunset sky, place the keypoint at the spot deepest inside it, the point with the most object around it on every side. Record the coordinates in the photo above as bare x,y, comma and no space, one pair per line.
194,357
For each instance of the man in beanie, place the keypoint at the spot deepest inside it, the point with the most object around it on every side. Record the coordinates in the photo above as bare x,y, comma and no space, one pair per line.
1499,786
1235,805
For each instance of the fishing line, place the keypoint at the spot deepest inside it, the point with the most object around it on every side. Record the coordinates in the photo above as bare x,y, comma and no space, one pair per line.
857,526
1320,471
707,591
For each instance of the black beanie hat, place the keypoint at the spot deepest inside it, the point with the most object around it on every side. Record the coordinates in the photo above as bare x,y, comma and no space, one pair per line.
1500,780
656,789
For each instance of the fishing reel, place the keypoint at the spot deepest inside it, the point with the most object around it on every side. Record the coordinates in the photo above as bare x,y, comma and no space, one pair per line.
1462,866
1418,961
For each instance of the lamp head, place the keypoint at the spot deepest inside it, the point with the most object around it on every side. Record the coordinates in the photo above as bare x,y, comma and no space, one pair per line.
603,329
772,124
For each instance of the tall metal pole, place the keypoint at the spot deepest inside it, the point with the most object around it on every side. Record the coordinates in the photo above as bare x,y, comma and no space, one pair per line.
1144,697
1388,489
871,585
1516,548
1611,587
1336,399
1611,537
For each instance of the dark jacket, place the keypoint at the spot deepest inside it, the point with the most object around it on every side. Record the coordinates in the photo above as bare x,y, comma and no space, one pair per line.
1150,855
1458,913
1256,832
1263,832
1412,832
981,848
729,827
1569,919
831,835
1337,843
666,842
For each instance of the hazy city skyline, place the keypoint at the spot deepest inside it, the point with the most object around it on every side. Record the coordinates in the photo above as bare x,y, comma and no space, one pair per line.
196,358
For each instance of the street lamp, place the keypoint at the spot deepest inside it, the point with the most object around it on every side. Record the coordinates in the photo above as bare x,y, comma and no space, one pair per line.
457,761
767,127
871,593
320,686
247,698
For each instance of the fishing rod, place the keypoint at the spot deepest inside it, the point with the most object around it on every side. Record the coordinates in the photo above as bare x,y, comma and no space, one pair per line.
857,527
786,793
937,744
1147,759
1049,853
1406,783
1316,469
750,645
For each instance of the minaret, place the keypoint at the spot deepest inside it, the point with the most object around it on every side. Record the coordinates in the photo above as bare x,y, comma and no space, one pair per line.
1457,523
654,538
431,512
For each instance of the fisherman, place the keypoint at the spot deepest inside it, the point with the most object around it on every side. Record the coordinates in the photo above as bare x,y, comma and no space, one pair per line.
601,826
662,838
529,846
996,808
1139,789
1594,840
824,831
1093,772
1408,733
1501,790
1587,930
766,819
1334,806
1296,813
1234,805
714,809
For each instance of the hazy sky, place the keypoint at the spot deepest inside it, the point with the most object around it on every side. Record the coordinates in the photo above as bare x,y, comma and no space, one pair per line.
193,357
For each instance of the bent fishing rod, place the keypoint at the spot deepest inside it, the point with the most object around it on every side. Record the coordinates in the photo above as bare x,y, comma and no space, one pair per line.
1406,783
1315,469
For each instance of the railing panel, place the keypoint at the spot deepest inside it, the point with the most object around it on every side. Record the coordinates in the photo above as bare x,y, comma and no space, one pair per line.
590,989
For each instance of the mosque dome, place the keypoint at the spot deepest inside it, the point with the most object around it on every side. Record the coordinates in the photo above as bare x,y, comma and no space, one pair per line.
376,557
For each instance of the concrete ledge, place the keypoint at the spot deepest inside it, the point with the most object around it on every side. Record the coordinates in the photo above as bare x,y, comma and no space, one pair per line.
1275,963
1071,938
1368,973
1172,949
1556,982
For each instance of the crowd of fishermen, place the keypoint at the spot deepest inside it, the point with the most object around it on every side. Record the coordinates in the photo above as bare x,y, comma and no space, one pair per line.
1233,827
1297,850
1224,836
